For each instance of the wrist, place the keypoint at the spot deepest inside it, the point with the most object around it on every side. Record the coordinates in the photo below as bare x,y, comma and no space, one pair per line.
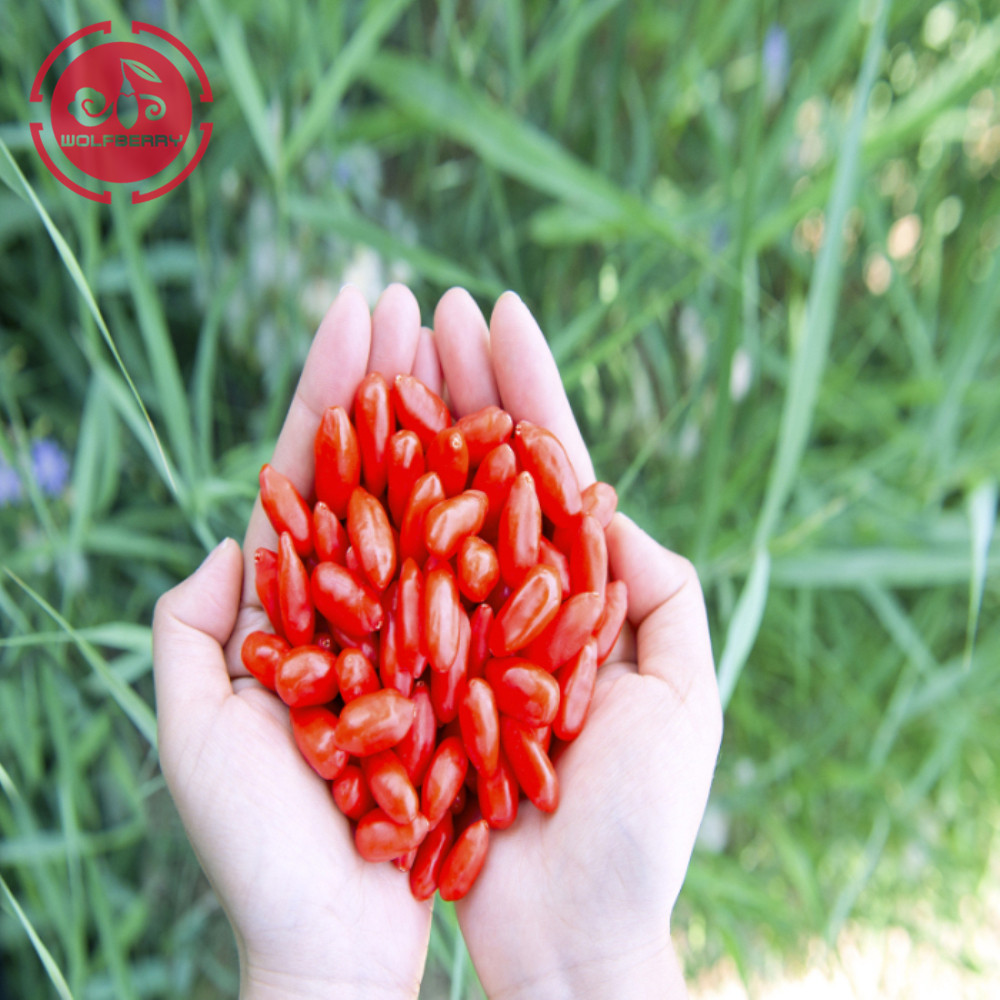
641,974
259,984
304,978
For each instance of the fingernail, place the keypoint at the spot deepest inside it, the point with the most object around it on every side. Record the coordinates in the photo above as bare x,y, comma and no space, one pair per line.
213,553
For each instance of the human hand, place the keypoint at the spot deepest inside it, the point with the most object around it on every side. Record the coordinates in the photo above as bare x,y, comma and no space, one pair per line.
311,918
578,903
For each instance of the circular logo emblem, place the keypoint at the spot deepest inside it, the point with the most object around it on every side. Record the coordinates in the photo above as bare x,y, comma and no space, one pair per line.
121,113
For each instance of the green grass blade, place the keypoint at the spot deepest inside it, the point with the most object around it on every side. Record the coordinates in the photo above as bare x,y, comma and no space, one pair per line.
171,398
982,521
744,625
821,306
318,115
230,40
45,956
519,149
124,636
10,174
128,701
932,566
806,374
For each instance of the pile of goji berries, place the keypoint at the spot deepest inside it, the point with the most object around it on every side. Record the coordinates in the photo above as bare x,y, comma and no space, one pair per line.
440,613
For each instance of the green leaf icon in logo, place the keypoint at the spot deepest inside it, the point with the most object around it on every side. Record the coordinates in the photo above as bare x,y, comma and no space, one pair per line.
127,105
89,107
140,69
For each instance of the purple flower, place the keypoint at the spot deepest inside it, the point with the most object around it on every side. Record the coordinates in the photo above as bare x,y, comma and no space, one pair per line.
776,61
10,485
49,466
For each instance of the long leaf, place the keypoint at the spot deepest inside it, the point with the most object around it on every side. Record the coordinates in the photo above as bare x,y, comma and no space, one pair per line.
347,63
55,975
11,175
130,703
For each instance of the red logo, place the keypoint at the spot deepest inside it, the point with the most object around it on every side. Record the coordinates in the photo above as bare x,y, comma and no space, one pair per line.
121,113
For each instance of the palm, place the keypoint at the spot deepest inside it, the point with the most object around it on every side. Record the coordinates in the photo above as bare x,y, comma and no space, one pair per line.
603,872
282,858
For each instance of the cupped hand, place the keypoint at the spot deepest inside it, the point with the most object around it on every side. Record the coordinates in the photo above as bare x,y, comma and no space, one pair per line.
578,903
311,918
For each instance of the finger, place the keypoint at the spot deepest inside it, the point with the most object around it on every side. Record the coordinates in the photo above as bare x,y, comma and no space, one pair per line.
426,365
191,623
335,365
463,343
395,332
667,609
529,381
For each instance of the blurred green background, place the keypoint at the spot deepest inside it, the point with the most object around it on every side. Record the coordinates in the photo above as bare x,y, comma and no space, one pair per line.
763,240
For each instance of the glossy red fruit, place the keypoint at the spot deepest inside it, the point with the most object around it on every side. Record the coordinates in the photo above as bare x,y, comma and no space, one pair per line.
485,430
430,856
588,558
531,765
410,618
565,635
374,424
444,778
448,456
498,795
416,748
371,537
313,731
329,537
342,599
374,722
540,452
478,568
367,643
351,793
520,530
481,624
378,838
577,680
480,725
442,617
494,477
285,508
526,612
390,786
601,501
338,460
525,692
405,862
464,861
609,626
404,466
418,409
452,521
260,653
426,493
355,674
558,560
447,686
298,619
306,676
266,584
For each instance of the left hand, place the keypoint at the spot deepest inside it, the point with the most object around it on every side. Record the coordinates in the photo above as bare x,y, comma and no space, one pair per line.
311,918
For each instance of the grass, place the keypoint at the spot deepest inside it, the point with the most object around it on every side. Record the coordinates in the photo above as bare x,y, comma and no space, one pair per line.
773,300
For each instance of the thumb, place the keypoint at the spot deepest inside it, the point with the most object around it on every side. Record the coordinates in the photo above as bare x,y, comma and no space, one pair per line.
191,624
667,609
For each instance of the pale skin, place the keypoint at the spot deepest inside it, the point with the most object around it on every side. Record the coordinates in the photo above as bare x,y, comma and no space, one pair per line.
576,904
